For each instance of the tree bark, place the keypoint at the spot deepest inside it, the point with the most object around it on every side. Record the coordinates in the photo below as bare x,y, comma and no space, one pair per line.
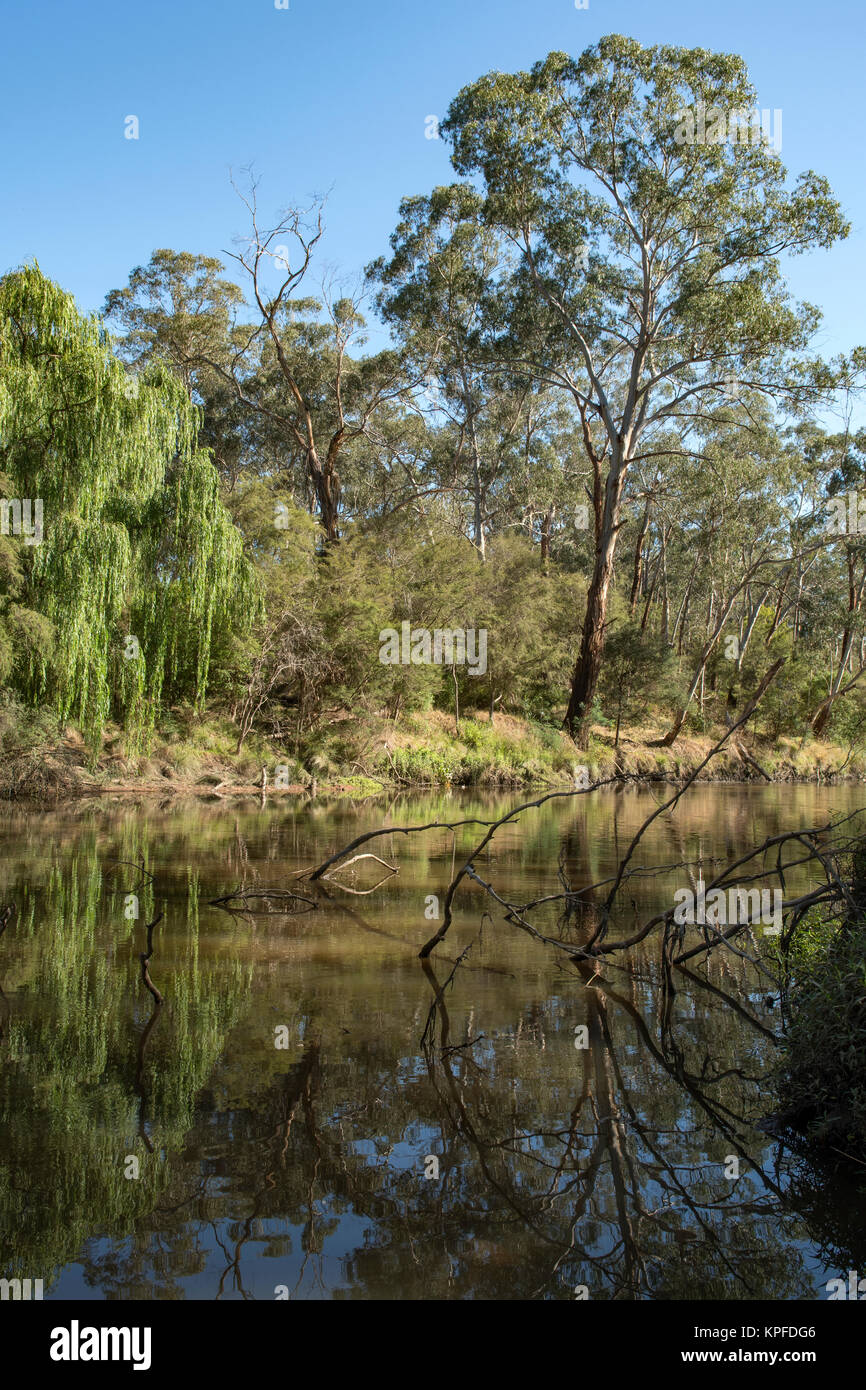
674,732
606,506
821,716
637,574
546,528
326,484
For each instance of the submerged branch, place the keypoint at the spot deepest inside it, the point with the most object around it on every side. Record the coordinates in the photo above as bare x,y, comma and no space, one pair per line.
145,956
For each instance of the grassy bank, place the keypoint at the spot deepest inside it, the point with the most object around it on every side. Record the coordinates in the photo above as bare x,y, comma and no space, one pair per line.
359,755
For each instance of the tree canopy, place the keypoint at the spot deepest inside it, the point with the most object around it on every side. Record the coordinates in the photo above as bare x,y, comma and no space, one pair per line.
601,416
139,578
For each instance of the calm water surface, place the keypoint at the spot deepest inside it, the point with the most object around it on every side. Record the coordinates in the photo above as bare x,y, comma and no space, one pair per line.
302,1170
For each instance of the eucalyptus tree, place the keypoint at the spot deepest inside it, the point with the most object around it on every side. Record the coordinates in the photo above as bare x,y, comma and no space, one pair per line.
840,462
138,574
507,445
306,378
649,248
177,308
732,537
438,289
407,469
545,485
324,408
180,309
716,543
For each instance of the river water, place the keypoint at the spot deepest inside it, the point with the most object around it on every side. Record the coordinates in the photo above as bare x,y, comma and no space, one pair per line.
275,1129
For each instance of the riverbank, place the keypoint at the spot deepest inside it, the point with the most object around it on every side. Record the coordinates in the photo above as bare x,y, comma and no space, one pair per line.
358,756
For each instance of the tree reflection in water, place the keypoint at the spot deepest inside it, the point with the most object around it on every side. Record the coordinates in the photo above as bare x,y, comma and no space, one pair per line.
561,1167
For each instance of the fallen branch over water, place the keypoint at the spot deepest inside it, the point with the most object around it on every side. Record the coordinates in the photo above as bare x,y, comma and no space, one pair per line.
271,895
672,928
360,892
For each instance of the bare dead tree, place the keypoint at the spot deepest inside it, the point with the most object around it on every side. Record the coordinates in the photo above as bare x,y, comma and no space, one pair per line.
319,436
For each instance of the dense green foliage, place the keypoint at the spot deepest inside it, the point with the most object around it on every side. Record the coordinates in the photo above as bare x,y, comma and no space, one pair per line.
639,506
139,574
823,1080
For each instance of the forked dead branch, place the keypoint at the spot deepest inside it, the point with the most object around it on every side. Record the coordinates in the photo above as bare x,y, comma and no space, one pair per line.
597,946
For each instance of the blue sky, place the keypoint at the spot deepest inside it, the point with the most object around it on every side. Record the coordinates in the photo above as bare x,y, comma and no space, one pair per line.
332,96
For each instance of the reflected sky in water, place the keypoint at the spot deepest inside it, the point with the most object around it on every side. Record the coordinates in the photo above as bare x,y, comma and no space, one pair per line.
298,1171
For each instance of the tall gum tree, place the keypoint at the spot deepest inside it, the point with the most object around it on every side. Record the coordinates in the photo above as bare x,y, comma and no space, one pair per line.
446,283
650,217
179,309
845,533
436,291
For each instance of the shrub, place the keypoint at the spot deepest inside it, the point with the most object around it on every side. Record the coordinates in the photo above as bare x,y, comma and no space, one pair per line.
823,1077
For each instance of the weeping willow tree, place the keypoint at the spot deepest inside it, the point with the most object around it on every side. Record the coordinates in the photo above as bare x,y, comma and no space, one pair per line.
139,573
